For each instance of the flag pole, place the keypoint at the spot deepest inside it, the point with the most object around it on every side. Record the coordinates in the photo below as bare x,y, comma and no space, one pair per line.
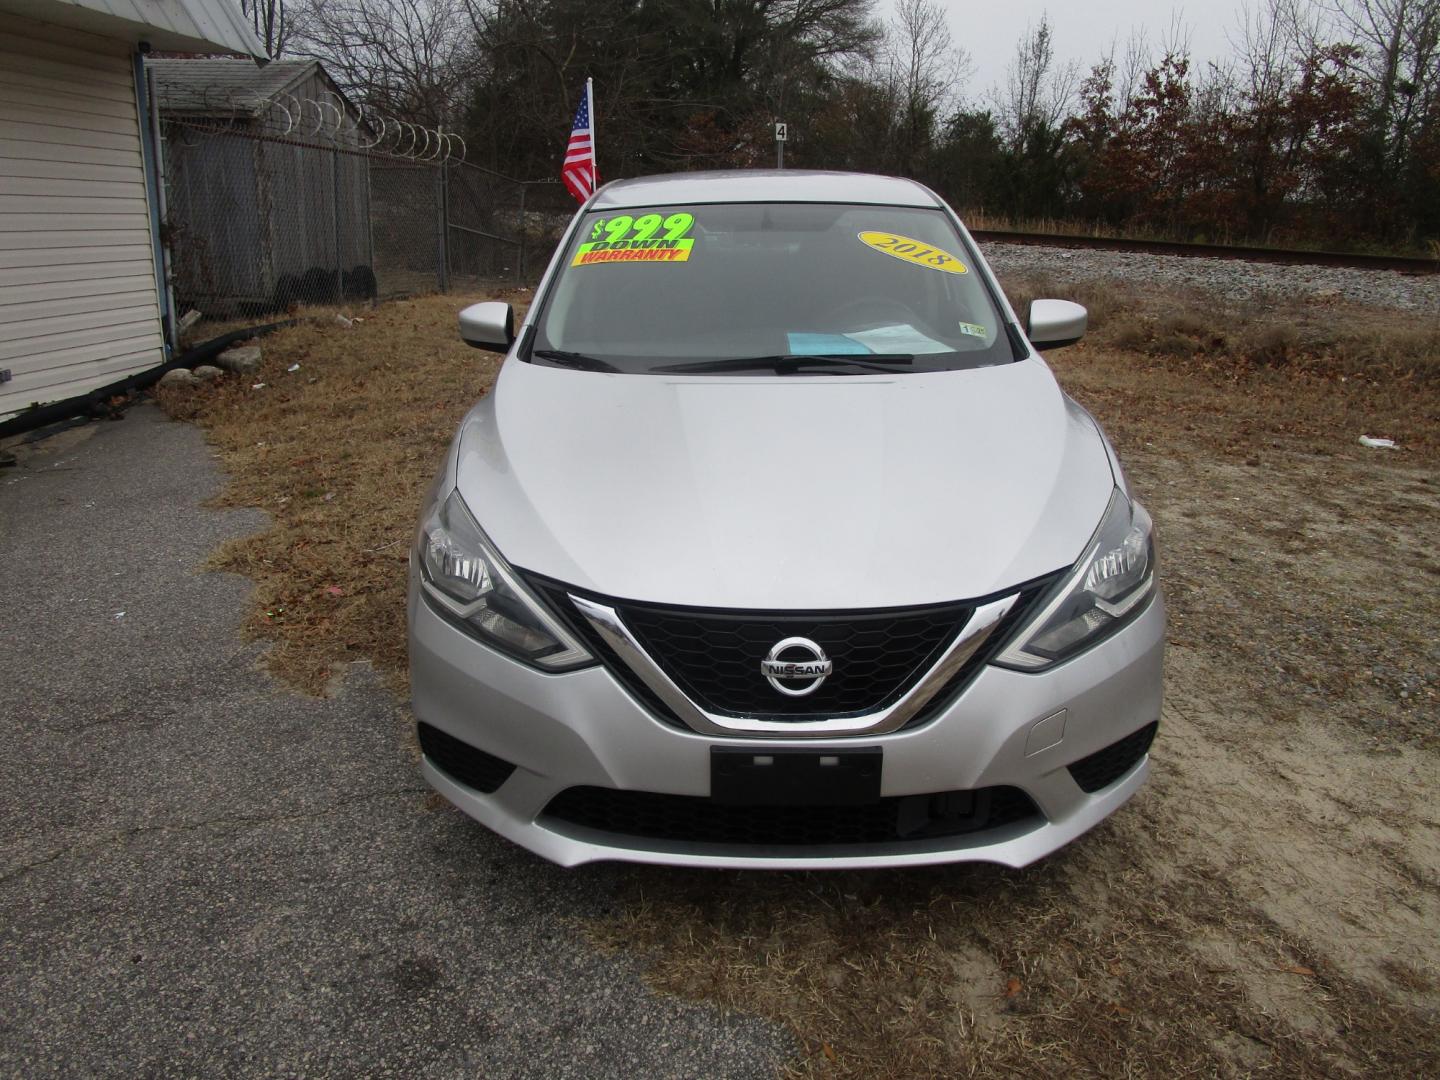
594,154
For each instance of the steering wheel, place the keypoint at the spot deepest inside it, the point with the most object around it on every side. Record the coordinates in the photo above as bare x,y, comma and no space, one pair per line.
864,311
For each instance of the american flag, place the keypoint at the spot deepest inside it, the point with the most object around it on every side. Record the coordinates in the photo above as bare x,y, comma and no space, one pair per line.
578,169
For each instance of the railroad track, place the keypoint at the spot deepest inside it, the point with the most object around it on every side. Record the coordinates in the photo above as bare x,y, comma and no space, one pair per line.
1398,263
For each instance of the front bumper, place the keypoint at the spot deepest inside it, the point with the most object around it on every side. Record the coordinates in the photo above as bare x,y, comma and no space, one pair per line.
583,728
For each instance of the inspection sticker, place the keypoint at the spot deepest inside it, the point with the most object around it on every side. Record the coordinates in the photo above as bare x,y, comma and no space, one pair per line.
974,330
913,251
648,238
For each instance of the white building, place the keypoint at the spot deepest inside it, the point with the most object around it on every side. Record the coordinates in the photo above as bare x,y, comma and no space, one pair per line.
82,296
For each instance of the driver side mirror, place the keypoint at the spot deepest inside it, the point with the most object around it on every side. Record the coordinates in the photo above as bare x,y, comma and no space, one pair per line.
490,326
1054,324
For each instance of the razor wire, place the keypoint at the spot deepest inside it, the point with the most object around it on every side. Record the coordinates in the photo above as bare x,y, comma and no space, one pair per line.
330,120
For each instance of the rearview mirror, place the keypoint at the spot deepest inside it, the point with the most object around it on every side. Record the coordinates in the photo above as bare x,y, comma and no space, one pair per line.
1056,323
490,325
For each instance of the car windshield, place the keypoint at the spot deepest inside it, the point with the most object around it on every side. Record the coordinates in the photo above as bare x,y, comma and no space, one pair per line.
757,287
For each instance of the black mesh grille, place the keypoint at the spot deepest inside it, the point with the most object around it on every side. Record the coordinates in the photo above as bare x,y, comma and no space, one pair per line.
471,766
692,819
1104,767
714,657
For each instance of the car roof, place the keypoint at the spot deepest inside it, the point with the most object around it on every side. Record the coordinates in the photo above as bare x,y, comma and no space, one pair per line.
763,185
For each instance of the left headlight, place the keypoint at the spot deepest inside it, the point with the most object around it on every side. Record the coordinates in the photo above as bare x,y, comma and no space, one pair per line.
1105,590
463,574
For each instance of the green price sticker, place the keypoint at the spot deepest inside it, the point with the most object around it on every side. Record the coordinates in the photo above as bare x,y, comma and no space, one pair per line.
647,238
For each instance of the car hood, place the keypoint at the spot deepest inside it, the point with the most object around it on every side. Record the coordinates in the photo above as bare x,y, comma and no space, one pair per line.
793,492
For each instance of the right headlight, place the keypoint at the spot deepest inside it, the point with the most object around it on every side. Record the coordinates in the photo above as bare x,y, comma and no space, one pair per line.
1106,589
468,580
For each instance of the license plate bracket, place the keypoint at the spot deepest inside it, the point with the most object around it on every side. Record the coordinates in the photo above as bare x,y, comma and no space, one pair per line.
795,776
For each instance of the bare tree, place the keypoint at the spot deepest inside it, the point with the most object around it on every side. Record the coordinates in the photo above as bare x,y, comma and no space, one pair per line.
807,36
1130,69
272,22
1120,73
1175,41
930,66
1401,43
521,28
923,70
1038,92
409,58
1269,43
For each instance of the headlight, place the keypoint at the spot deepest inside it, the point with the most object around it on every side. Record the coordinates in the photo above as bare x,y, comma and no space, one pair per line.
1104,590
467,579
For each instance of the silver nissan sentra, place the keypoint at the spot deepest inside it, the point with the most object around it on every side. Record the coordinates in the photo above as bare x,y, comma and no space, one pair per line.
778,545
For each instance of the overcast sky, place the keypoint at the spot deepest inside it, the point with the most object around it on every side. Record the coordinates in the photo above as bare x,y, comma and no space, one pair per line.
1084,29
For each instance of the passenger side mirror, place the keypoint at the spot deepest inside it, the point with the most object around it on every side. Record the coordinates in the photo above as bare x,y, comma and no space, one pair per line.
1056,323
490,325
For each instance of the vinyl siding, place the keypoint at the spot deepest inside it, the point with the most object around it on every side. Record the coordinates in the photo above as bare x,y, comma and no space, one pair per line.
79,306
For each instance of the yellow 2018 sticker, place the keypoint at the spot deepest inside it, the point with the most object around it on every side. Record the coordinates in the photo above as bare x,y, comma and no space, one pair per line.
913,251
626,238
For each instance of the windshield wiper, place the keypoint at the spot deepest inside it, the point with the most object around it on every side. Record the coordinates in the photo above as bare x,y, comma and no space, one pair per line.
578,361
783,362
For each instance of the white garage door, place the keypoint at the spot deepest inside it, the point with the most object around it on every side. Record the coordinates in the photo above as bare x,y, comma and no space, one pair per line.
79,306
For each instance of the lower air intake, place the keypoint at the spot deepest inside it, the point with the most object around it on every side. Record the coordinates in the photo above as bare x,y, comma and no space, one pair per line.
693,819
460,761
1104,767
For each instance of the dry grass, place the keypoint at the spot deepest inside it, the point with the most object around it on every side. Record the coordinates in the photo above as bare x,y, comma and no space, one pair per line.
1083,966
1235,373
339,453
1328,341
1267,905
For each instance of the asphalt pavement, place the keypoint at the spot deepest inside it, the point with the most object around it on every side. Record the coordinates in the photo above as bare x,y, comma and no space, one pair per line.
202,872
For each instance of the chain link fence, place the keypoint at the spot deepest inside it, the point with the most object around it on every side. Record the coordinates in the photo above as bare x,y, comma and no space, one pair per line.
257,223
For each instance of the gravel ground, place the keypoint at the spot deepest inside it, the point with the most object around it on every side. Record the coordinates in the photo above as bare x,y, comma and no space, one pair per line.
1231,278
204,873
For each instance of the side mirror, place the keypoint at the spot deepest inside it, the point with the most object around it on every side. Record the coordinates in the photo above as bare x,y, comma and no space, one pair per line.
490,325
1056,323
